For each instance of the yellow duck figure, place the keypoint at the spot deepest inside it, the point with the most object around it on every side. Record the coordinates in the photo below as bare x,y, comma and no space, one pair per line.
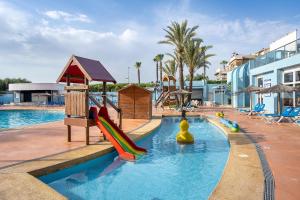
184,136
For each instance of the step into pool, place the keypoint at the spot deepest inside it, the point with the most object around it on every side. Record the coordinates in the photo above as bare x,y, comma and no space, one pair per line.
169,170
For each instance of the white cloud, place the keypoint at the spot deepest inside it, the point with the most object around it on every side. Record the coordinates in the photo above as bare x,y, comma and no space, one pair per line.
68,17
128,35
38,47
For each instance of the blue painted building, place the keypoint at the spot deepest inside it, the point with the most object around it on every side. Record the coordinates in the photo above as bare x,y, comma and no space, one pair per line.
280,65
204,92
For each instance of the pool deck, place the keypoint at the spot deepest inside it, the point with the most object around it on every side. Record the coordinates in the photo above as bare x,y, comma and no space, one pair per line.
281,145
23,144
242,178
18,181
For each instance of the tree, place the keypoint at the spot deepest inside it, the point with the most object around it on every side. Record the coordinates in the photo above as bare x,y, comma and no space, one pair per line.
197,77
5,82
195,57
156,60
138,65
224,63
170,68
177,35
205,63
159,58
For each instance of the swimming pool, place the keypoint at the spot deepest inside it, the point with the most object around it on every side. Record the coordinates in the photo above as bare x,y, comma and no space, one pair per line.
168,171
18,118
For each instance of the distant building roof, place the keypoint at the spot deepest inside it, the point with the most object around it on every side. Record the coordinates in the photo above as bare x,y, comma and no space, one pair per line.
240,57
35,86
78,68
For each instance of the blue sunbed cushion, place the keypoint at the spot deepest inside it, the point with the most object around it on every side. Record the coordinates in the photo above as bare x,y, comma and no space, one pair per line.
295,112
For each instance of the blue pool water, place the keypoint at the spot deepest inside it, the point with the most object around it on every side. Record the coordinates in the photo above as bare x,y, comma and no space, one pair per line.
18,118
169,170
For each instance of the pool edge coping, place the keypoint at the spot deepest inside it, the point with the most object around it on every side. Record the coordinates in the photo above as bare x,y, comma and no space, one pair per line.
225,191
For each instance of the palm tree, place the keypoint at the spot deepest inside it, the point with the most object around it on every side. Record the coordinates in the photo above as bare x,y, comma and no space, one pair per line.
177,35
159,58
170,67
224,63
195,57
138,65
156,60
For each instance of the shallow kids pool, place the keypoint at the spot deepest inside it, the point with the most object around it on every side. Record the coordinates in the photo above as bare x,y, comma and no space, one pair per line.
168,171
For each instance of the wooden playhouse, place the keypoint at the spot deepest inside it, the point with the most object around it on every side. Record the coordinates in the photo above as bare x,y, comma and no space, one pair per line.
135,102
80,72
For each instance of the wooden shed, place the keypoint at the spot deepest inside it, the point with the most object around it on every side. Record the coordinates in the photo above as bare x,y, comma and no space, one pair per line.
135,102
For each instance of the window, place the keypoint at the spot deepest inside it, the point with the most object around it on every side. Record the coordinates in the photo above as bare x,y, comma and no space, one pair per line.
297,96
297,75
260,82
291,78
288,77
288,98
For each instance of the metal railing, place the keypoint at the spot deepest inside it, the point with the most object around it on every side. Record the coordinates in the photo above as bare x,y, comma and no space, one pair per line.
280,53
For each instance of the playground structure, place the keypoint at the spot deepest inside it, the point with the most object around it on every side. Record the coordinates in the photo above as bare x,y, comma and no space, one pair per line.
80,72
166,97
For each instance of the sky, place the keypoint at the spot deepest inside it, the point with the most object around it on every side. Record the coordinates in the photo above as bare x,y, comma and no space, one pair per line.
38,37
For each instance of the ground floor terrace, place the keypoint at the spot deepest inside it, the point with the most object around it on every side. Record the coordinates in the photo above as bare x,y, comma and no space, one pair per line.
22,150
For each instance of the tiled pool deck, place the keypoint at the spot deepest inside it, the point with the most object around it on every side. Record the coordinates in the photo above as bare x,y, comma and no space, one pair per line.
242,179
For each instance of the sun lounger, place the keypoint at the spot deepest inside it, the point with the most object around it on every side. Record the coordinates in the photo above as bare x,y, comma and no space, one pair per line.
257,109
272,117
290,116
285,112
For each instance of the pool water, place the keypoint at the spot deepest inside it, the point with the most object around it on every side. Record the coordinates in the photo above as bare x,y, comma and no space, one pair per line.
169,170
18,118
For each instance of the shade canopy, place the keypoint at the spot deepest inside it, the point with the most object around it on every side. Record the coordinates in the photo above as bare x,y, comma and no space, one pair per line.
250,89
79,68
278,89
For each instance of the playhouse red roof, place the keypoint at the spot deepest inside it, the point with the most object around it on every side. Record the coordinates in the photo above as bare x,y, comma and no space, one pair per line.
78,67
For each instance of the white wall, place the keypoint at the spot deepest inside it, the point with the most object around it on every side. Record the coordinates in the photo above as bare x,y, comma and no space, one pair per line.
288,38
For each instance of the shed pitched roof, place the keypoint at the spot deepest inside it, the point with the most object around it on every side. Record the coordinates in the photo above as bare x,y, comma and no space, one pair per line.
134,85
78,68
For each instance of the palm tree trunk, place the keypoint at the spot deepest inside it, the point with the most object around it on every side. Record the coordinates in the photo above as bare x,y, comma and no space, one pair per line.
191,85
156,72
139,78
160,66
181,81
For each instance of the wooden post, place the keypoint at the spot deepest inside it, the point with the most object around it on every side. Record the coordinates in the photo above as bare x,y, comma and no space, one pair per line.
87,129
120,119
104,94
279,103
69,127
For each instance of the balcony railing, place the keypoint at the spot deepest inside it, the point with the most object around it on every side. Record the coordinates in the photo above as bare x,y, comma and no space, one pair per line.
280,53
